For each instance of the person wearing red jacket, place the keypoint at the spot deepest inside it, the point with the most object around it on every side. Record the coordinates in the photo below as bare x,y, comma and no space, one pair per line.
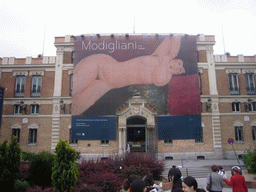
237,181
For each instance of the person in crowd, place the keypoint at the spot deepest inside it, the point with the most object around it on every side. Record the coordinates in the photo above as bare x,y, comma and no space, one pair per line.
148,179
127,183
174,176
138,186
237,181
222,172
215,179
189,184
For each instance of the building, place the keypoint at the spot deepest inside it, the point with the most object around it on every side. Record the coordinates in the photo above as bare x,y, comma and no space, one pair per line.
38,98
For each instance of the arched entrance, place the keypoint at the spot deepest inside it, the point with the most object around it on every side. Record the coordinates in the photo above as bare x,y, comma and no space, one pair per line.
136,126
136,133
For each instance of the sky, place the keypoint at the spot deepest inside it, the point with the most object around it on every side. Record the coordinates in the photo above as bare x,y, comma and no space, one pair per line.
28,27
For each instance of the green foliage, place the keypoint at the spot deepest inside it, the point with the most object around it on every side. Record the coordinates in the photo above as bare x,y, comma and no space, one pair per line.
40,169
249,159
9,164
65,170
27,156
20,186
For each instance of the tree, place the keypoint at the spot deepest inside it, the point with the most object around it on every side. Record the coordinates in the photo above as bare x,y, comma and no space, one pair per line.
9,164
249,159
65,170
40,169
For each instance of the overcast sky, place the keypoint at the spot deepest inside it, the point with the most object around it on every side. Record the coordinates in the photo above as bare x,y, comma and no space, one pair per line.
28,27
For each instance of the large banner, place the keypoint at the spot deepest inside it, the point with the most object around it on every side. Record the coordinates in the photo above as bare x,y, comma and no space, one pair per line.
110,69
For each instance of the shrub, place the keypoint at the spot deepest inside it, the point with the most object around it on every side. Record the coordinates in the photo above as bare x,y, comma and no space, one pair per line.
95,174
65,170
23,167
27,156
249,159
9,164
143,165
20,186
40,169
39,189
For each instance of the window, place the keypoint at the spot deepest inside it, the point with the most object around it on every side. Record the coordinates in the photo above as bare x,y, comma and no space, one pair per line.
17,109
36,86
233,84
104,142
16,132
34,109
168,141
239,133
32,136
71,84
236,106
199,80
199,141
20,86
71,141
254,133
252,106
249,82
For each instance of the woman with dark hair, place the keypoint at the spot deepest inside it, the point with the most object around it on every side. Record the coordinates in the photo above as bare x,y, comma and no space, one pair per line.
127,183
215,179
138,186
189,184
174,176
237,181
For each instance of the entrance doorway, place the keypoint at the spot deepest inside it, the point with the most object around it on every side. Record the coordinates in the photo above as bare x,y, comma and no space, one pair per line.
136,133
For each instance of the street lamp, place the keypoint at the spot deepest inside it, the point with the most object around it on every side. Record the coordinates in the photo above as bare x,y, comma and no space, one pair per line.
23,107
208,104
62,106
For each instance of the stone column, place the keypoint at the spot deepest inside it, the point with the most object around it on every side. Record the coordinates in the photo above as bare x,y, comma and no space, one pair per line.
56,98
218,151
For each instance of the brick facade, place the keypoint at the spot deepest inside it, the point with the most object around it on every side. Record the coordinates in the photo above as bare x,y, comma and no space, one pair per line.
54,121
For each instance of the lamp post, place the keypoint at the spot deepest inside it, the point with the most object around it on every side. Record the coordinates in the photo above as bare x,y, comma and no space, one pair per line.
208,104
62,106
23,107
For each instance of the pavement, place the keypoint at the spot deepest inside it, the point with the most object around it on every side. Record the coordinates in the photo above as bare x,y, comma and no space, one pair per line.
201,168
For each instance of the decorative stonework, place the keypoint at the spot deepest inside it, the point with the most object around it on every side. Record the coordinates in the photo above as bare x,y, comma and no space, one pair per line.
253,123
33,126
20,73
228,71
36,73
136,106
244,71
238,123
70,71
16,126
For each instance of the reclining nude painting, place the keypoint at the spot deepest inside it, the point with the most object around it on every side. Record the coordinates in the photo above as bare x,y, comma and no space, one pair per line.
100,72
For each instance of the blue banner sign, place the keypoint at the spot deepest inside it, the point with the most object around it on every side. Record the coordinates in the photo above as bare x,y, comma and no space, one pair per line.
179,127
93,128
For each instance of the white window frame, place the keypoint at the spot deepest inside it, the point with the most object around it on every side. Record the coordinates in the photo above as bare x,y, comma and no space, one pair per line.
17,110
239,134
236,107
233,84
20,86
254,133
168,141
104,142
32,137
252,107
249,83
16,132
36,86
34,109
